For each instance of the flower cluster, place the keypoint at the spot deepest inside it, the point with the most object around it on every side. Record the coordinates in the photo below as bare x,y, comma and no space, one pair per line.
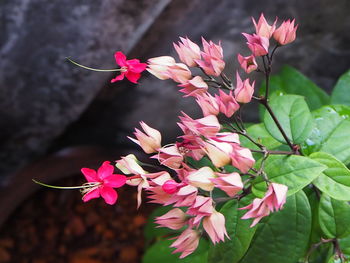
182,184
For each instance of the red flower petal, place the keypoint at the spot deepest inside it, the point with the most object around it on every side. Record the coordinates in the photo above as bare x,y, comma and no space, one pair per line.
114,180
120,58
132,77
105,170
135,65
119,77
91,195
109,195
90,175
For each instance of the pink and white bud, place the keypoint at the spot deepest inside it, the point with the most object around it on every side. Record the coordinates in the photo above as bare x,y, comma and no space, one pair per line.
150,141
208,104
228,104
179,73
257,44
175,219
212,58
242,158
207,126
275,196
158,66
186,243
214,225
171,186
218,152
258,209
228,137
203,206
244,91
194,87
188,51
129,165
248,64
169,157
201,178
286,33
231,183
186,196
262,28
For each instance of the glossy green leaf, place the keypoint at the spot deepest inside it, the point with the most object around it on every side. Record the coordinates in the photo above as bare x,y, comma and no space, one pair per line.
330,133
335,180
340,94
344,244
334,217
294,171
283,236
160,252
231,251
291,81
294,116
260,134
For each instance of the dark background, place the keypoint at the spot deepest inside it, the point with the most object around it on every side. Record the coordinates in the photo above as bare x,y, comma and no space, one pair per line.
48,104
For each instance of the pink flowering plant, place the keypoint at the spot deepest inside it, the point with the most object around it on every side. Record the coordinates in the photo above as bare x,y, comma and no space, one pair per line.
276,191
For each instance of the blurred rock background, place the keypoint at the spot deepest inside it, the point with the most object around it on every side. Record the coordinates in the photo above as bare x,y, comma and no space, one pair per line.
47,104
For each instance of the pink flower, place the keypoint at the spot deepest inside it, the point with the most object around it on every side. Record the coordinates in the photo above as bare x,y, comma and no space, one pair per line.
286,33
203,206
244,91
186,243
194,87
131,69
207,126
274,199
169,156
218,152
101,183
231,184
228,137
242,159
275,196
175,219
188,51
186,196
212,58
208,104
247,63
258,209
158,66
257,44
228,104
262,28
201,178
150,141
214,225
179,73
129,165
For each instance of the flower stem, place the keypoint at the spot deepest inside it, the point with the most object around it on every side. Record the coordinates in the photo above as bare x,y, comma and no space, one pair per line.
60,187
93,69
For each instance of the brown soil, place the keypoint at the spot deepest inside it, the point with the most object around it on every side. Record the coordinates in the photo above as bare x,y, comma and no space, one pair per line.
56,226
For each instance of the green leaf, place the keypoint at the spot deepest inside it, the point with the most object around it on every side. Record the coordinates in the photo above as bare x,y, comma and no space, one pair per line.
291,81
294,116
283,236
334,217
340,94
294,171
335,180
344,244
160,252
151,230
331,133
231,251
260,134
